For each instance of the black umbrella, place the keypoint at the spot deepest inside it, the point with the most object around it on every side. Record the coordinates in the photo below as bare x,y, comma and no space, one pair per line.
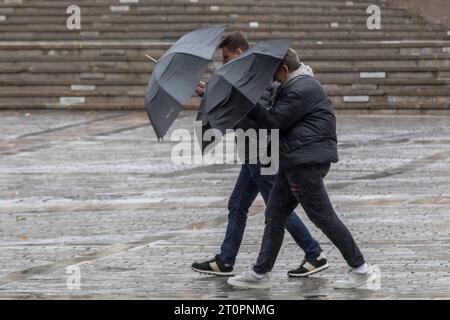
235,88
176,75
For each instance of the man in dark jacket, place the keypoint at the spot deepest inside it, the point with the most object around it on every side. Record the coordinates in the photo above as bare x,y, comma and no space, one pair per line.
308,145
248,185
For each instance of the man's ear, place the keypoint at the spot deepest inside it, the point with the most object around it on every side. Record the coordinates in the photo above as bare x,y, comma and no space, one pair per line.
238,51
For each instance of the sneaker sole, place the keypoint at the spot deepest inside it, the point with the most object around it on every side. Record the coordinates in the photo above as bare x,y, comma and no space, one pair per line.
357,285
246,286
213,273
304,275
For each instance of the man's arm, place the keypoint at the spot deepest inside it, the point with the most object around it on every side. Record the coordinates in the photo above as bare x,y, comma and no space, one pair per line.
285,113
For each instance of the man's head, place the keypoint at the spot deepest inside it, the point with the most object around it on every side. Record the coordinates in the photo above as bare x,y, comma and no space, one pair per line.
233,45
290,63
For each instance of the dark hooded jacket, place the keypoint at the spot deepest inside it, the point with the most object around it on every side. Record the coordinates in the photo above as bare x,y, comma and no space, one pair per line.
305,117
247,124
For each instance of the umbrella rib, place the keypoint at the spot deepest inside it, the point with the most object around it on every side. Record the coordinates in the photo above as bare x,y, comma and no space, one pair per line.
267,54
186,53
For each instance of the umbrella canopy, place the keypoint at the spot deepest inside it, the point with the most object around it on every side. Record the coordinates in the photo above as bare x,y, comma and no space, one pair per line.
176,75
236,87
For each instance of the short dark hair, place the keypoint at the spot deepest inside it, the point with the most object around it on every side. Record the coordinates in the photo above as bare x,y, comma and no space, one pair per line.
291,60
235,41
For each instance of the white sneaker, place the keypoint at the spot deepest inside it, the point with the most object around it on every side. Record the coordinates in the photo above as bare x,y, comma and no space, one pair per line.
369,280
250,280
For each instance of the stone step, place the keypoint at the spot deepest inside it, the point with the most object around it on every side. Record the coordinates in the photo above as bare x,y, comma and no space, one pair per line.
270,28
146,67
198,9
328,74
112,64
344,35
163,45
78,90
263,3
416,100
353,109
15,90
303,15
246,24
182,3
138,55
142,79
317,54
390,102
197,20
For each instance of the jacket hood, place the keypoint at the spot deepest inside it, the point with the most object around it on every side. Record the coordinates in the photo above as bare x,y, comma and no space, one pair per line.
303,70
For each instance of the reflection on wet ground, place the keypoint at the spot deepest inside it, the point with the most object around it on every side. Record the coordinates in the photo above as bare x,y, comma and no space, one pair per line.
97,190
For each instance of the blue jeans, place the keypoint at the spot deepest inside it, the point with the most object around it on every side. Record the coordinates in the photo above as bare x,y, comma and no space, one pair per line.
249,183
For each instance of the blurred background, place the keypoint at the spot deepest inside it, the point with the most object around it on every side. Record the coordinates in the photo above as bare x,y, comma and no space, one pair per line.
404,67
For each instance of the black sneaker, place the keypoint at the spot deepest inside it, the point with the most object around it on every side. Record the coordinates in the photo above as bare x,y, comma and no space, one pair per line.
214,267
309,267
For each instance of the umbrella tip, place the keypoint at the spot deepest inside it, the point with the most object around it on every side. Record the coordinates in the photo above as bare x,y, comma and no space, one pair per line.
153,59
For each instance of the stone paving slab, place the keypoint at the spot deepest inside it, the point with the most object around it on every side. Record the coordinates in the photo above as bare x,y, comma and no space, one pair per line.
98,191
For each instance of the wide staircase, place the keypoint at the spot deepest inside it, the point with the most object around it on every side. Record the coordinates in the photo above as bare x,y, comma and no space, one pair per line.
402,68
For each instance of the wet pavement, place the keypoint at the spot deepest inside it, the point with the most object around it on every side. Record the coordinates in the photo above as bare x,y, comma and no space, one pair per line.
97,191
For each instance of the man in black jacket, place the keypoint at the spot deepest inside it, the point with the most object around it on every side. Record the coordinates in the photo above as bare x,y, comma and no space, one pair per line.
248,185
308,145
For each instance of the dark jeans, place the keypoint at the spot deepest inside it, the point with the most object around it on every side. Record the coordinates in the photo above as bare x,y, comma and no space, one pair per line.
304,185
249,183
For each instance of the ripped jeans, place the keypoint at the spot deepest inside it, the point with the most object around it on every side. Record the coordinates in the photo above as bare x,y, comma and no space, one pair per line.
303,184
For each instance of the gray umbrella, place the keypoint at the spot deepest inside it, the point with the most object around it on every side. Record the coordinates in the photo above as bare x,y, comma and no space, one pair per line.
236,87
177,74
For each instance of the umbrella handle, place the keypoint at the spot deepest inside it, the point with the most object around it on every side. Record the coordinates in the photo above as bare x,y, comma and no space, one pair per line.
153,59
